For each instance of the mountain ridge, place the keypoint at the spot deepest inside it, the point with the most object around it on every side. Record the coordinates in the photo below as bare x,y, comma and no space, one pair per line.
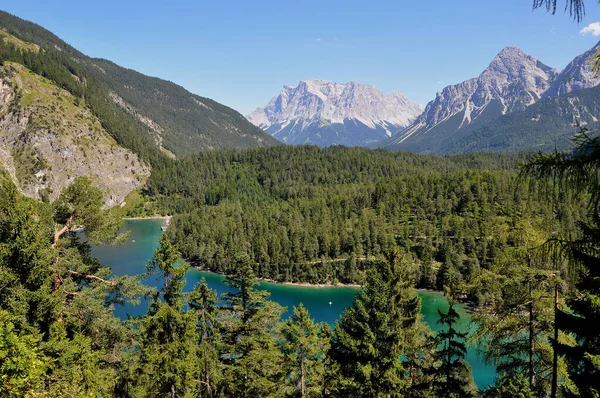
188,126
577,75
544,123
512,81
328,113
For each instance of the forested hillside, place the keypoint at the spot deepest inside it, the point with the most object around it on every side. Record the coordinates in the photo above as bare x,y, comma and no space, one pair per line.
59,337
142,112
470,225
305,214
515,238
543,126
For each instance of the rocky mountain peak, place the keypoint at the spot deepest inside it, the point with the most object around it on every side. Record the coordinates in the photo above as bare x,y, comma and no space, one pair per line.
316,104
577,75
513,80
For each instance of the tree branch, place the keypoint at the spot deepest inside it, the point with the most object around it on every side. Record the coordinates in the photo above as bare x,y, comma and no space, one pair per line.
60,232
94,277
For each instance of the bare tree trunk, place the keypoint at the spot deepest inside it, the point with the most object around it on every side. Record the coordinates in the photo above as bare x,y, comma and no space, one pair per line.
531,339
57,235
302,376
554,390
172,390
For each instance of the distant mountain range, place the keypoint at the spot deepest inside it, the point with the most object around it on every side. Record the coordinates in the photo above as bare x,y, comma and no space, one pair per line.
63,114
516,104
324,113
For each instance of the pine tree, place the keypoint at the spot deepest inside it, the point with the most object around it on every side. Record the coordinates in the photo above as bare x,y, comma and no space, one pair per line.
73,319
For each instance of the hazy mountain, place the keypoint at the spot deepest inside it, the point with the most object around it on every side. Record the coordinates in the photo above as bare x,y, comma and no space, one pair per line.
512,81
325,113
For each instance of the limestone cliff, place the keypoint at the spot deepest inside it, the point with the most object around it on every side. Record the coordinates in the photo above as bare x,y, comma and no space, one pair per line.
48,138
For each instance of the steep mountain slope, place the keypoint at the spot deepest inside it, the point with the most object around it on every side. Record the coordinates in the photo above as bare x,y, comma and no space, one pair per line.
544,126
576,76
171,116
326,113
512,81
182,122
48,137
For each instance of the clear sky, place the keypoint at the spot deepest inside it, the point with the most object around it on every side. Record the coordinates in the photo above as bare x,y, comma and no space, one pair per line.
241,53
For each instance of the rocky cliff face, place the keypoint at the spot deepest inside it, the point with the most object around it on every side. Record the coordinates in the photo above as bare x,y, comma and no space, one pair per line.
512,81
326,113
576,76
48,138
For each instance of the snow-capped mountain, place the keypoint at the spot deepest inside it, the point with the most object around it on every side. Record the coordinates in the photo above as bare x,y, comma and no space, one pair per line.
325,113
512,81
576,76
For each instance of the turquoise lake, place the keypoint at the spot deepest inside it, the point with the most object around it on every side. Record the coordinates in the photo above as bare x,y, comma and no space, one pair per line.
129,259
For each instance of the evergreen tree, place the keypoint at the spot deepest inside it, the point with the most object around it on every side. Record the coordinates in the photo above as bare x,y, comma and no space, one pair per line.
516,327
510,386
303,353
22,364
579,171
203,304
58,294
369,340
167,334
253,364
453,373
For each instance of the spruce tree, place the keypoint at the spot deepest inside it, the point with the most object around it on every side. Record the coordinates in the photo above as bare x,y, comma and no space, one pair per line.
369,340
203,304
253,364
453,377
167,334
301,346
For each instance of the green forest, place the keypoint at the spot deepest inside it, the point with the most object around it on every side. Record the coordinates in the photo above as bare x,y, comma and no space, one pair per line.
518,243
305,214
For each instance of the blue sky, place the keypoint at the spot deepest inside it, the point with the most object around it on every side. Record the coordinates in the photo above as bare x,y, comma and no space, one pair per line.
241,53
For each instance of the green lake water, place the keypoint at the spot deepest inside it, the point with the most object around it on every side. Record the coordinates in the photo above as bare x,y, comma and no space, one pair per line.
323,303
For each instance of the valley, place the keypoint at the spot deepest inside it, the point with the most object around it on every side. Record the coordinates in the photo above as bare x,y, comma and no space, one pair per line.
340,241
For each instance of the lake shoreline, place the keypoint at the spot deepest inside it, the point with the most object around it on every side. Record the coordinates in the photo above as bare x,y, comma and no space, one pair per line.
166,218
298,284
